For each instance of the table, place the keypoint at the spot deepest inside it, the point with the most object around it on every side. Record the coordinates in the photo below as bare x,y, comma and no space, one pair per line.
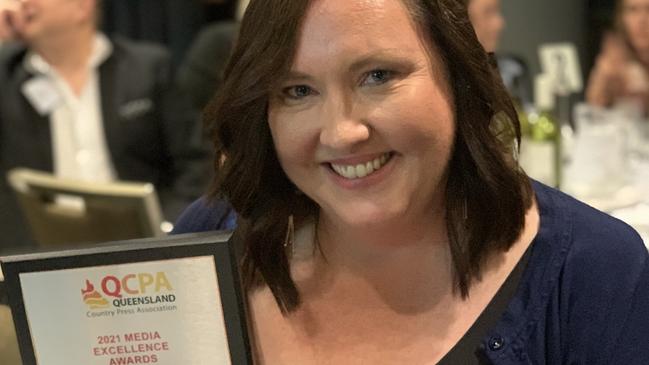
626,195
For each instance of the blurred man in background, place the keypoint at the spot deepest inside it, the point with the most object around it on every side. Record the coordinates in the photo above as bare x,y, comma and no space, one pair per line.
85,107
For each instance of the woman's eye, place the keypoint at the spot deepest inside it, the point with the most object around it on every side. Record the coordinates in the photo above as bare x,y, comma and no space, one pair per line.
377,77
298,91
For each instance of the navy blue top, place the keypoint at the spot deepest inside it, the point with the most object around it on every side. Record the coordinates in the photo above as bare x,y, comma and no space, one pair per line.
206,215
583,298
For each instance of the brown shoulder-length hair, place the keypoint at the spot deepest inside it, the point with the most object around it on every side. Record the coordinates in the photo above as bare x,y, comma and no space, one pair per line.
487,194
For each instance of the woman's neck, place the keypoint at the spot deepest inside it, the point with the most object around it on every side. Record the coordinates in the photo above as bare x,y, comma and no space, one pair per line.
644,59
405,268
641,56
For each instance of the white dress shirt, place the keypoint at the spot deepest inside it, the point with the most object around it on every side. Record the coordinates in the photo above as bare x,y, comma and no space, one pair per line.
79,147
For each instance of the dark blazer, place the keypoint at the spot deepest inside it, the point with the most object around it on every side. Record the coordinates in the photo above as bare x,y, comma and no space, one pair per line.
153,134
201,72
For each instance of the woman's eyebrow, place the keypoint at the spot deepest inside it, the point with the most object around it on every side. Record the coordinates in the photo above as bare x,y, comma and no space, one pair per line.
296,76
388,56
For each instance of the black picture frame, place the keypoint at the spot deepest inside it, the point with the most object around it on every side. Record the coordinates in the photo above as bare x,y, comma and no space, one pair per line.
215,244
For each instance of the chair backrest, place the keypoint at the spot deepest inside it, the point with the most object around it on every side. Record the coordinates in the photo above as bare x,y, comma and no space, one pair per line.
65,211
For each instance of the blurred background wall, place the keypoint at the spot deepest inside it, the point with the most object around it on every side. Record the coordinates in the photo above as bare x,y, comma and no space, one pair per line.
529,24
533,22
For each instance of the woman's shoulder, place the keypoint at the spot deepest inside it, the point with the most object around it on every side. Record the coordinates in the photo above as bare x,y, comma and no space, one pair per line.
586,225
592,240
591,279
584,293
206,214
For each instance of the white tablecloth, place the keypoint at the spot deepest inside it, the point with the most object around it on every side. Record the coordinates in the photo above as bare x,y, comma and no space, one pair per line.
629,202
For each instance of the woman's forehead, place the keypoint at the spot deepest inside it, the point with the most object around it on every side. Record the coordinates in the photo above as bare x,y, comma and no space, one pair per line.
331,26
355,14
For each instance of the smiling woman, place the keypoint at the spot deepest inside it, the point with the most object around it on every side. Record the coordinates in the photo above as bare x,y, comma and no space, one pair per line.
369,150
326,108
362,97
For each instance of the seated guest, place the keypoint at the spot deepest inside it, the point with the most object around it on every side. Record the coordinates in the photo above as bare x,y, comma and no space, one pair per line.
86,107
382,218
200,73
621,71
488,23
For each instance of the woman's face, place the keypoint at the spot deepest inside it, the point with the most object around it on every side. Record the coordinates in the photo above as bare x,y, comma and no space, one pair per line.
487,21
635,18
364,124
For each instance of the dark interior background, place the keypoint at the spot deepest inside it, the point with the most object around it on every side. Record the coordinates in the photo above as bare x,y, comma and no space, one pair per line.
530,23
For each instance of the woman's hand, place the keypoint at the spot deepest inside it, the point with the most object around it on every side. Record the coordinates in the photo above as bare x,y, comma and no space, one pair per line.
608,76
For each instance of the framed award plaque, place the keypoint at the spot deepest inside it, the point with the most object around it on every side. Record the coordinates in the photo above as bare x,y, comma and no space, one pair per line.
175,300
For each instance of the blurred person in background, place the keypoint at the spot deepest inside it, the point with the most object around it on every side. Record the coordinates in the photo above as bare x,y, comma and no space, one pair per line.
86,107
200,73
488,23
487,20
200,76
621,71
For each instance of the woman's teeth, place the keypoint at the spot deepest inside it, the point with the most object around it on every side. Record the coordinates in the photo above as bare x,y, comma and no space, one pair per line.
361,170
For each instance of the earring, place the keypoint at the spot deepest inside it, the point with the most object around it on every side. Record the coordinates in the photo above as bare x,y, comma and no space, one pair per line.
288,240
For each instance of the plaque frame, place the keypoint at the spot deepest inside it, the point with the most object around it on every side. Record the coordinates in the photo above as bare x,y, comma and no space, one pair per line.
215,244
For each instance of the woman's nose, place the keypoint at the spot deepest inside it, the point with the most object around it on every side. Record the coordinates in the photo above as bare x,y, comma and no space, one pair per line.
343,125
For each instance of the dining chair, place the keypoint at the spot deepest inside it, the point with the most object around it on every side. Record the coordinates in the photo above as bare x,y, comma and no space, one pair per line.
66,211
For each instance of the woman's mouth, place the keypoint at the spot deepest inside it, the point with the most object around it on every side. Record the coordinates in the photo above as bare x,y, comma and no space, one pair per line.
357,171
